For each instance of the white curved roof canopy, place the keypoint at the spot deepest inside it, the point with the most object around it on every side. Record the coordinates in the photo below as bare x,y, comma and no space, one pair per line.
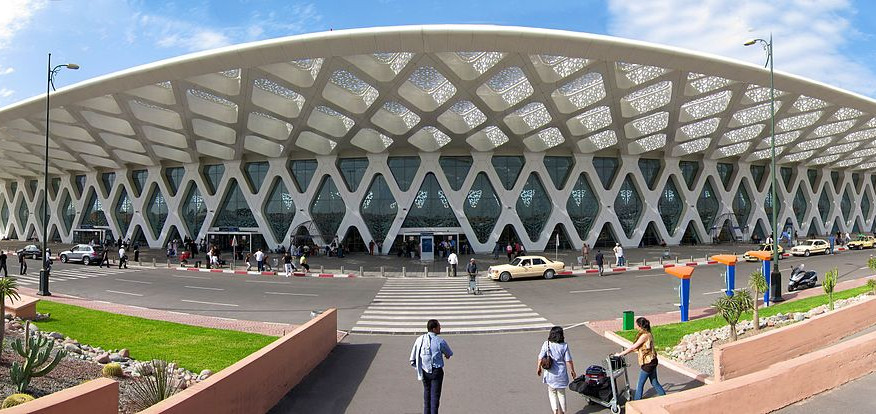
425,88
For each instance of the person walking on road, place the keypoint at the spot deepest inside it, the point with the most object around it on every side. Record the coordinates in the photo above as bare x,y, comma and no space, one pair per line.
472,270
554,366
104,258
260,260
22,265
427,357
123,258
453,260
3,263
600,260
644,345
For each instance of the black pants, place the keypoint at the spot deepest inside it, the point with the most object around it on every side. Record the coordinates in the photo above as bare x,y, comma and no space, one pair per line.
432,390
3,268
137,256
23,267
454,269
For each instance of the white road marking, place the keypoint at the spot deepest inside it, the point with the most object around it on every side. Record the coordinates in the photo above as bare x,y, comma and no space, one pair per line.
576,325
714,293
291,294
124,293
202,287
210,303
191,277
134,281
594,290
266,281
654,275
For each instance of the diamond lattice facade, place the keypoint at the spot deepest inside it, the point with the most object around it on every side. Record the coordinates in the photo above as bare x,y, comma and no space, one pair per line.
486,133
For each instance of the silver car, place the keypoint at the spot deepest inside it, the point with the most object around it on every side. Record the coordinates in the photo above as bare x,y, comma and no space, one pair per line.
84,253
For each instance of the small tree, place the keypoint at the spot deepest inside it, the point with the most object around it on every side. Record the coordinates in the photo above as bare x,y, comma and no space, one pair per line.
758,285
731,308
828,285
871,284
8,289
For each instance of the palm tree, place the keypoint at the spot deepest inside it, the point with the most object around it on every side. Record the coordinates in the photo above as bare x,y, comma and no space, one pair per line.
8,289
758,285
731,308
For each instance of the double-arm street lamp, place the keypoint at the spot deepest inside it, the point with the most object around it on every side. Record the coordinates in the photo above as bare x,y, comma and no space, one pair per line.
44,272
775,275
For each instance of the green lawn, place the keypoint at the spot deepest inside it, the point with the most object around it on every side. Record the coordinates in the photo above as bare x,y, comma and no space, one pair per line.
670,335
192,347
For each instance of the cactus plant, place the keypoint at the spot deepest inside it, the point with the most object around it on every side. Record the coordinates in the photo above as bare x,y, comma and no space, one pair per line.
35,351
871,284
16,399
113,369
828,285
155,383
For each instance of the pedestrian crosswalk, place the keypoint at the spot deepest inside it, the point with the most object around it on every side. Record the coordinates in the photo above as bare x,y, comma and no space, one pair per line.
32,278
402,306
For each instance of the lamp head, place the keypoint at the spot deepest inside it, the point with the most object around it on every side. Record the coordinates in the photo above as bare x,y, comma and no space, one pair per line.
72,66
750,42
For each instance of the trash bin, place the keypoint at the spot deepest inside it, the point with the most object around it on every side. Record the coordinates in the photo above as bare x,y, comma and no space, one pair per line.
629,317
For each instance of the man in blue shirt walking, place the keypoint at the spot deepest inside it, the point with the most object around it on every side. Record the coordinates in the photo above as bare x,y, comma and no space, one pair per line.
427,357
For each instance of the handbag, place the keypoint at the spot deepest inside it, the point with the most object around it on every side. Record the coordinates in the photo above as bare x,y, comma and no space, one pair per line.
546,362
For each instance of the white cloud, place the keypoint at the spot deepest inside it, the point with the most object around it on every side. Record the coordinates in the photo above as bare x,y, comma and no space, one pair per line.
173,33
6,71
5,92
15,15
809,36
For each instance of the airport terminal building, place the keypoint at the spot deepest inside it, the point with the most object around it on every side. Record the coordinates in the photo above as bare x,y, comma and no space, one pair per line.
480,134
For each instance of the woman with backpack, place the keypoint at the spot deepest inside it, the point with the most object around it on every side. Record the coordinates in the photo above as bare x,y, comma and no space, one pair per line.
553,359
644,345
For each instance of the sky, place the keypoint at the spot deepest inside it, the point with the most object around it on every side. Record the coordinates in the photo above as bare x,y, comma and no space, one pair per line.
832,41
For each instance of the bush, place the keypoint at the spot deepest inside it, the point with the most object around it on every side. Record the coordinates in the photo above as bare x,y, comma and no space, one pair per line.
871,286
155,384
15,399
113,369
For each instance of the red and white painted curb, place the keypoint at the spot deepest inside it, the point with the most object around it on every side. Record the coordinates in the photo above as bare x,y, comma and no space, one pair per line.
271,273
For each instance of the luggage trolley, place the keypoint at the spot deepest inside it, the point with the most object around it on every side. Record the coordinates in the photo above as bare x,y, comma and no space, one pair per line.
617,368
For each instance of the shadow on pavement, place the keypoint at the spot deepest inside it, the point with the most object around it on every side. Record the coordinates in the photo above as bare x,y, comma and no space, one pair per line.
330,387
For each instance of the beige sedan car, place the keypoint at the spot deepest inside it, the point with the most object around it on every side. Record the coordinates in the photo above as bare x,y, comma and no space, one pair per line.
526,266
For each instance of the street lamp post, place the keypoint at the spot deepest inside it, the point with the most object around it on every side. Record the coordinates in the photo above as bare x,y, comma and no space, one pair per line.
44,272
775,275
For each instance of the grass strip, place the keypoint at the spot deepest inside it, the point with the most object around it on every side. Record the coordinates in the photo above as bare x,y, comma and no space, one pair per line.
192,347
669,335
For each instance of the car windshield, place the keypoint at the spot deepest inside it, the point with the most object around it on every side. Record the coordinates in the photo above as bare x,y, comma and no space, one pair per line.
515,262
862,238
811,242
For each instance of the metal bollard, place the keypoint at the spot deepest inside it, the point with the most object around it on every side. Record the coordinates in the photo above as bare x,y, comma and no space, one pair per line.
447,271
342,270
153,262
644,262
168,263
361,271
425,271
382,272
676,259
321,269
404,272
660,260
691,258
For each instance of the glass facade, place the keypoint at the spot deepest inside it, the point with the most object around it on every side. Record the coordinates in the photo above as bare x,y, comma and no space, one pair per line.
430,207
213,176
628,206
93,214
758,172
68,212
455,169
379,208
234,211
846,205
107,179
768,204
650,169
689,170
55,186
482,207
582,206
156,211
824,203
835,179
352,169
865,205
725,172
856,179
508,169
194,211
80,184
4,214
787,174
707,205
328,208
32,186
800,205
279,209
124,212
533,207
742,205
404,169
174,178
23,212
813,178
302,173
255,174
605,169
558,169
138,177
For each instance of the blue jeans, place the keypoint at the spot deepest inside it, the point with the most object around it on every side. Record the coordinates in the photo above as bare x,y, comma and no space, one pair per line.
432,390
643,376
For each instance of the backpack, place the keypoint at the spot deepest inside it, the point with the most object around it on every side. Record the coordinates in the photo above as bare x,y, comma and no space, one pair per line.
595,375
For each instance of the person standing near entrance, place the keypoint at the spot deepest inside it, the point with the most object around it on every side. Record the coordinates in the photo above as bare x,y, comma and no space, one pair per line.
509,251
585,253
600,260
3,263
104,258
123,258
22,264
303,263
137,252
260,260
427,357
453,260
371,248
287,263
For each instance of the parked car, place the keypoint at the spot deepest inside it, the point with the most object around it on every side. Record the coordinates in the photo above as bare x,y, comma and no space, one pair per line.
764,248
526,266
84,253
862,242
30,251
811,246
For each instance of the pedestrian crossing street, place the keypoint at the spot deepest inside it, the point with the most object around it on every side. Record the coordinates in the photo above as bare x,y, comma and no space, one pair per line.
402,306
32,278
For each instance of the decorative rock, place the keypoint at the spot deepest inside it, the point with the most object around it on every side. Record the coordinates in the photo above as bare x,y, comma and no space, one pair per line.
116,357
103,358
72,348
125,353
55,335
14,325
798,317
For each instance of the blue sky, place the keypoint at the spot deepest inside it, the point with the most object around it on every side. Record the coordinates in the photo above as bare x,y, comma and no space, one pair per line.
832,41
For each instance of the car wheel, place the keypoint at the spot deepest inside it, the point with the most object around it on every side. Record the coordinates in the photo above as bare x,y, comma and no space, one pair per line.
505,277
806,253
63,258
86,260
549,274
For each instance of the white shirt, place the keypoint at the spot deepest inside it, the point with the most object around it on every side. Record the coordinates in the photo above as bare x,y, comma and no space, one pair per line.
259,256
121,252
452,259
620,251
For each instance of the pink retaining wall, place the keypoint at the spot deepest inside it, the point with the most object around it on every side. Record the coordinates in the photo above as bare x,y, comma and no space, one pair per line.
757,352
257,382
773,387
99,396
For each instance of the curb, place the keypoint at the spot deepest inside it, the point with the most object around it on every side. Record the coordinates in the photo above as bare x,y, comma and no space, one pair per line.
255,272
667,362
